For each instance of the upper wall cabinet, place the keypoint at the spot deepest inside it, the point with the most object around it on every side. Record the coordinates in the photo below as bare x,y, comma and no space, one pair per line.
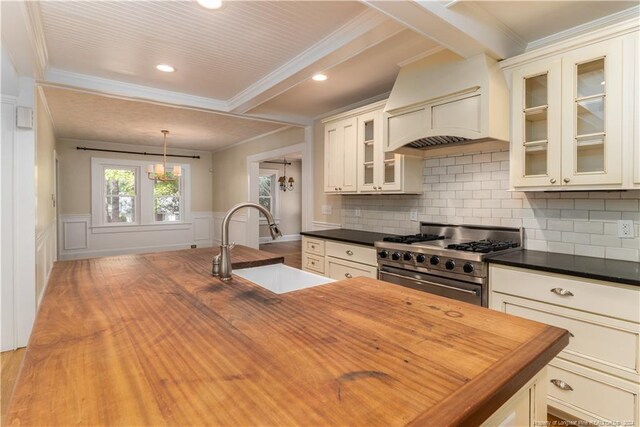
355,161
573,115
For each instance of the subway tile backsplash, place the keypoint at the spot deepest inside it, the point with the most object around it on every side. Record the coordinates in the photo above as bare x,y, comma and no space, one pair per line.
473,189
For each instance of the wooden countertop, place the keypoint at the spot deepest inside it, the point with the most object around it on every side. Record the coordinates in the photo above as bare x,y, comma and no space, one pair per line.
154,339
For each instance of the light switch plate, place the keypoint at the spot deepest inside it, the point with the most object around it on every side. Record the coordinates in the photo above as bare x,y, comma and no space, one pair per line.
358,212
625,229
326,210
413,215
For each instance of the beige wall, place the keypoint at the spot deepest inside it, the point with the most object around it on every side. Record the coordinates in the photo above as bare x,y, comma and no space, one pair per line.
45,144
230,175
319,198
290,201
75,173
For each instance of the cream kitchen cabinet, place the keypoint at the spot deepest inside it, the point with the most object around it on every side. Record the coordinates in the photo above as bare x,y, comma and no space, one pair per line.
597,376
338,260
572,115
340,156
355,161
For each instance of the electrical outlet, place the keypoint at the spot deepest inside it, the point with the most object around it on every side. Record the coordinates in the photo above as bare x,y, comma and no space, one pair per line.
625,229
413,215
358,212
326,209
194,246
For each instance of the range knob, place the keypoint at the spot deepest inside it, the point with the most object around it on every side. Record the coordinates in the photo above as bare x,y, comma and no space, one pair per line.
395,256
420,258
407,256
467,267
383,254
434,260
450,264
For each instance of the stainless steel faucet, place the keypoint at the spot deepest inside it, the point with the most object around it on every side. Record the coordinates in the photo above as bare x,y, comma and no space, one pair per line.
222,262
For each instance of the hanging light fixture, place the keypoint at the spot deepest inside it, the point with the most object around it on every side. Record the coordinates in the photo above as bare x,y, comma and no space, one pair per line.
158,172
286,184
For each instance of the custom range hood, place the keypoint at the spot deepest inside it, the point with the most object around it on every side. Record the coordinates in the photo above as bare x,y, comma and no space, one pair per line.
443,100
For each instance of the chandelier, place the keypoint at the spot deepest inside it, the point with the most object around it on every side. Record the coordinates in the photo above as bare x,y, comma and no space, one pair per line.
286,184
158,172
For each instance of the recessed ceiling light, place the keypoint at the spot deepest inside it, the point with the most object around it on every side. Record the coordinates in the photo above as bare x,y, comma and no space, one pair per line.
165,68
319,77
210,4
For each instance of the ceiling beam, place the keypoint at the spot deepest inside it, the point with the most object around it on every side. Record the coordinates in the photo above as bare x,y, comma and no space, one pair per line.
363,32
463,28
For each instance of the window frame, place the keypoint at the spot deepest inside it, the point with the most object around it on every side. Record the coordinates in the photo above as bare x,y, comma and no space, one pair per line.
144,199
275,195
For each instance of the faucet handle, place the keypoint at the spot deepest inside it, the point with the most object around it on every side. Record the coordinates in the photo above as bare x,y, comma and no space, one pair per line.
232,245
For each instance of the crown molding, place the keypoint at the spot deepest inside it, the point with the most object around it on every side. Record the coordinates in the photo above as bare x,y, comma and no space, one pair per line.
68,79
586,34
253,138
45,103
320,56
365,103
35,30
592,26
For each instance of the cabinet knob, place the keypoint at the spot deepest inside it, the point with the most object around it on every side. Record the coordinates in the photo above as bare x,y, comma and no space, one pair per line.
349,252
552,180
566,180
340,188
348,275
562,292
336,188
561,384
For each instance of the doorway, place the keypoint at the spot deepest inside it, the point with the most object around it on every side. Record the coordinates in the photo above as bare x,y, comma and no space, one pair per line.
299,155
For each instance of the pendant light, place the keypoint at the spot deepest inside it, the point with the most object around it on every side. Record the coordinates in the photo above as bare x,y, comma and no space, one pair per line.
158,172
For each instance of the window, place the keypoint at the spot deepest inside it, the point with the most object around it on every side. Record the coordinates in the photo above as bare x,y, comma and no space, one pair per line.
120,195
123,196
268,192
166,200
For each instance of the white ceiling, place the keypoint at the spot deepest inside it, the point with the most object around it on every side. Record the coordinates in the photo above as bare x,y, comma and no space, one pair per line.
370,73
216,53
85,116
255,58
533,20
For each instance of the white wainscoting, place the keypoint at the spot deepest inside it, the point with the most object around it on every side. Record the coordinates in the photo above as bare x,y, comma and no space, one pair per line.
45,257
319,225
237,228
79,240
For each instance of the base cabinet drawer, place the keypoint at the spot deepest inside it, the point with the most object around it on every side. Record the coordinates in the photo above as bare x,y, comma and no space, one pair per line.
340,269
312,263
592,395
607,344
350,252
313,246
593,296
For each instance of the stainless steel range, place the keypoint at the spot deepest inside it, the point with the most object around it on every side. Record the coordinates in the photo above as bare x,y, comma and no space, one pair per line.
447,260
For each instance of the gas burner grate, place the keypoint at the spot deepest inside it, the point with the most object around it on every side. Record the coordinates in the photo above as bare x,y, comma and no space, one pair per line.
483,246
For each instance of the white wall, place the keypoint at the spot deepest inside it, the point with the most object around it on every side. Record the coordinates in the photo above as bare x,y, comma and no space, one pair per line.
80,239
290,212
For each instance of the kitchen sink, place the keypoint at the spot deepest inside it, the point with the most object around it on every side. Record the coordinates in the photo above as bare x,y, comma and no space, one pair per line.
279,278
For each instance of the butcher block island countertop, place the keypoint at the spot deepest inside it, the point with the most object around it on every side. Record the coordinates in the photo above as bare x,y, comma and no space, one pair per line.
154,339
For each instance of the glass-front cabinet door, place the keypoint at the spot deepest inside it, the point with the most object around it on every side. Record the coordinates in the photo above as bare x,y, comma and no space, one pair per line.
368,135
536,125
377,171
592,111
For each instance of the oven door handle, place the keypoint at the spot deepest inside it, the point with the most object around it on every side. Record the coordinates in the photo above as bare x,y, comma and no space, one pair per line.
467,291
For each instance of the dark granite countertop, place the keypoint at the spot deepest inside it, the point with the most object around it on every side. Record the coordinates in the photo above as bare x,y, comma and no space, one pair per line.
610,270
358,237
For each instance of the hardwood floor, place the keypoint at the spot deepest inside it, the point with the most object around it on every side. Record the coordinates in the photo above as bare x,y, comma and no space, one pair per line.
9,365
292,252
